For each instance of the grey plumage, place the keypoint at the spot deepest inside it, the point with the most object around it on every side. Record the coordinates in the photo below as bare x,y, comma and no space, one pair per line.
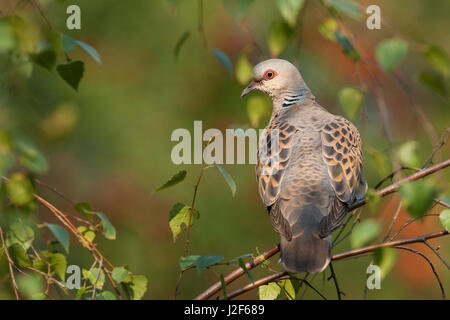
309,178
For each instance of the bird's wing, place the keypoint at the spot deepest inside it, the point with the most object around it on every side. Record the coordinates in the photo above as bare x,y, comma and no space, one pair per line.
342,153
275,148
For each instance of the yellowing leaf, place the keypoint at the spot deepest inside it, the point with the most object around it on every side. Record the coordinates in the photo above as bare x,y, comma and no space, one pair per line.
289,10
179,219
407,154
244,69
351,100
438,59
269,291
279,35
445,218
329,28
385,259
258,109
19,189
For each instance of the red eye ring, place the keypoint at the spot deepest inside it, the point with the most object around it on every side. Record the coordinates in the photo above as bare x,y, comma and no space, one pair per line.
269,74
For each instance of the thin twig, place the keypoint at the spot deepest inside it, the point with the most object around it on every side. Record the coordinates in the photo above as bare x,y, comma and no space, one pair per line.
442,142
437,254
391,176
333,275
10,263
431,265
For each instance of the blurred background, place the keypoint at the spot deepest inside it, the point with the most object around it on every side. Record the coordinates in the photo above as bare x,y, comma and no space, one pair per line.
109,142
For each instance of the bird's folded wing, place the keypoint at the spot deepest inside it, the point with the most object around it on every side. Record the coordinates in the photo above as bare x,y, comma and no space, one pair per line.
275,148
342,152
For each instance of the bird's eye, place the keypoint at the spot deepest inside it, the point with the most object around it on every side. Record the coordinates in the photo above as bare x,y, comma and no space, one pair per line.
270,74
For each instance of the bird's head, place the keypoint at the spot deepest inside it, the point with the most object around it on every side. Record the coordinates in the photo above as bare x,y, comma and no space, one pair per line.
277,78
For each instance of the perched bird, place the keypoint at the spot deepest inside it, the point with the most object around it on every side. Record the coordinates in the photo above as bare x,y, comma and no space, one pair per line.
309,168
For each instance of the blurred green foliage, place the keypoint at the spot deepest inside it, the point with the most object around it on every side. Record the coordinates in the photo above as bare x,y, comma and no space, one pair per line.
91,111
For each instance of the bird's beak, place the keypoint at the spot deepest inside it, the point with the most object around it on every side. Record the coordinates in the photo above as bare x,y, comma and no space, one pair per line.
252,86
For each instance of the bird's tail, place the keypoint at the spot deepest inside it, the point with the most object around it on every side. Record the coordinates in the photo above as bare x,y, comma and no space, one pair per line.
305,253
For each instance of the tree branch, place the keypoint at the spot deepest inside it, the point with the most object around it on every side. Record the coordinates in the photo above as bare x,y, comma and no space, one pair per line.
396,244
383,192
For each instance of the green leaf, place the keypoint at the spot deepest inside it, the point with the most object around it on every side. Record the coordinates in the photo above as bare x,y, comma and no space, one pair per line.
289,10
58,264
364,232
80,293
108,229
60,234
347,7
119,274
347,46
373,200
45,59
71,72
31,286
21,234
7,158
351,101
228,179
434,82
19,189
175,179
223,58
40,264
30,156
445,218
138,286
106,295
249,274
179,218
418,197
181,41
269,292
94,277
385,259
203,262
279,34
288,289
68,43
224,287
237,8
85,209
258,109
407,154
20,255
244,69
89,50
390,53
7,39
329,28
88,233
438,59
188,261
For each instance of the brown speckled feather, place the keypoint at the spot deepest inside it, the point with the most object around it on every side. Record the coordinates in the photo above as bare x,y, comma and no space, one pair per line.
320,164
308,179
342,152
